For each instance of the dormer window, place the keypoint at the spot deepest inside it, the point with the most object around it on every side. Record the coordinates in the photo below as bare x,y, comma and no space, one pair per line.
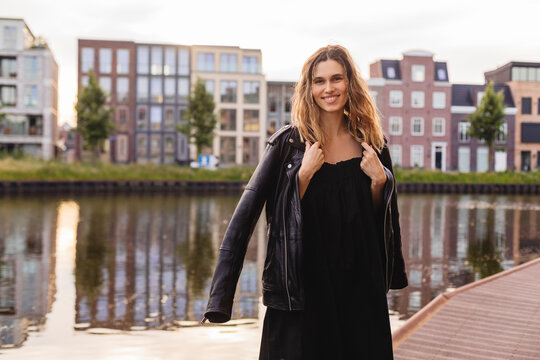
391,73
441,75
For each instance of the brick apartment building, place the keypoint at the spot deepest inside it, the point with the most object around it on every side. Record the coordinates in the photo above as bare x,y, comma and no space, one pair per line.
28,92
279,104
413,95
523,79
469,154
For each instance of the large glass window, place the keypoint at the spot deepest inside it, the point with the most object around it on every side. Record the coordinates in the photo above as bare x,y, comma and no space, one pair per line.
169,118
157,61
418,73
142,118
155,117
227,150
8,95
30,95
417,99
209,86
228,91
417,126
8,67
205,62
228,119
156,92
396,98
396,125
87,61
438,126
30,67
142,88
439,100
183,89
122,89
22,125
142,147
142,60
170,85
168,149
183,62
228,63
463,131
105,61
122,61
251,92
251,120
105,84
250,65
10,37
170,61
155,148
417,155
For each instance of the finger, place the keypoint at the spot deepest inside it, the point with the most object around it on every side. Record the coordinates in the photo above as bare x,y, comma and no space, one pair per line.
308,145
366,146
316,145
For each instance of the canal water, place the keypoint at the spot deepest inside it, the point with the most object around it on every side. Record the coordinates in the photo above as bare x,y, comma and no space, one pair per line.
145,262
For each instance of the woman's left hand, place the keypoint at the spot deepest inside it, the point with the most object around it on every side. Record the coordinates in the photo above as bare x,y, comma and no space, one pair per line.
372,166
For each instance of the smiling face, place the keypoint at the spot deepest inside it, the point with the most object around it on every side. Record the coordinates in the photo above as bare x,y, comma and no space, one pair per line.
329,87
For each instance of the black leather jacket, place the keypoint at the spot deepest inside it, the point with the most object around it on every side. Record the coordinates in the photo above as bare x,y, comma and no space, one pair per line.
275,183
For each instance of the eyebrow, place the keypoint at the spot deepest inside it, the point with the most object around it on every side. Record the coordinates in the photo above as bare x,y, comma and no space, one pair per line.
320,77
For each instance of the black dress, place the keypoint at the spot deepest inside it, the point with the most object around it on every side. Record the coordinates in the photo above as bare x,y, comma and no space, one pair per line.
346,310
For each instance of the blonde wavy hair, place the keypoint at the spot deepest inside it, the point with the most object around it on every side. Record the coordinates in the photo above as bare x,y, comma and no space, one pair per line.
360,112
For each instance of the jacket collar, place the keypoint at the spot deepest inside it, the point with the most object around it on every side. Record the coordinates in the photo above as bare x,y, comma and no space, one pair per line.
294,139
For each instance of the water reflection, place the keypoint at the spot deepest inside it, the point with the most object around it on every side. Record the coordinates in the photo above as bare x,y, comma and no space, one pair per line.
141,262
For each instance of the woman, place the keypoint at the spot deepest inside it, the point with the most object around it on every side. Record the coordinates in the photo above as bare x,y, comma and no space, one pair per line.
334,245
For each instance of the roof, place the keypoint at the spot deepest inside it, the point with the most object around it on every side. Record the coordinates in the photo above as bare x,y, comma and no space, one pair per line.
464,94
495,318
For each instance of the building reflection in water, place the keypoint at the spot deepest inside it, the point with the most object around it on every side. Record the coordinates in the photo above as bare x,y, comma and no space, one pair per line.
27,265
147,262
449,241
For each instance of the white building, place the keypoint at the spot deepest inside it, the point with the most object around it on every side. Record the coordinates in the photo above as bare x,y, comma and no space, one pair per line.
28,91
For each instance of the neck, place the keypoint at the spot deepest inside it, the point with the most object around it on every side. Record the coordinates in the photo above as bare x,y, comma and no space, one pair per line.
332,124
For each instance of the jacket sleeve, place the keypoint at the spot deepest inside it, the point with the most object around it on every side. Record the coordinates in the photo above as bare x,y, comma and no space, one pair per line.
233,248
399,275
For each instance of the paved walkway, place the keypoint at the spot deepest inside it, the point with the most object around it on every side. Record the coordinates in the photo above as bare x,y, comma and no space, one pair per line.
495,318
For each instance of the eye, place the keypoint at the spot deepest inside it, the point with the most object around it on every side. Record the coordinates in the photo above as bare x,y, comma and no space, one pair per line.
317,81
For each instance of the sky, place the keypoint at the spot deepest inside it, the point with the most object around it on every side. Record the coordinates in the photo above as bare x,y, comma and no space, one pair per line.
472,36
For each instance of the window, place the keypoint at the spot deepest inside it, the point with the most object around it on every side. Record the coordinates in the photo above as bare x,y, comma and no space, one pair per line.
503,133
170,91
155,148
183,89
373,95
417,155
395,154
228,91
155,117
30,67
84,80
227,150
209,86
142,118
228,63
10,37
105,61
170,62
30,95
441,74
228,119
8,95
156,93
526,73
251,92
122,89
396,98
479,97
390,73
538,112
122,61
156,67
418,73
272,102
142,88
438,126
122,115
183,62
251,120
8,67
463,131
250,65
168,149
205,62
142,147
417,99
142,60
182,115
396,125
87,61
169,119
105,84
287,103
526,105
439,100
417,126
464,159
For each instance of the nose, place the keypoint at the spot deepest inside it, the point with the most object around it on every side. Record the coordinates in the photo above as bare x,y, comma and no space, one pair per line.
328,86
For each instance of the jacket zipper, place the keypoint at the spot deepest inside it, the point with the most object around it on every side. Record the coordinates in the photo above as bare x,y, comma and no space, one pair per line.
286,265
386,285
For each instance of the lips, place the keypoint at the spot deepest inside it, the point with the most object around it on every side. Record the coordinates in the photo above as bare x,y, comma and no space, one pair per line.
330,99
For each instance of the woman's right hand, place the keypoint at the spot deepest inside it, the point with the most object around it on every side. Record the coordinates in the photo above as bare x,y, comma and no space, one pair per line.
312,161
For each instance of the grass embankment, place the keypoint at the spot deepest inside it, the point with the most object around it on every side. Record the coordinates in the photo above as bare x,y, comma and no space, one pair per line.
33,169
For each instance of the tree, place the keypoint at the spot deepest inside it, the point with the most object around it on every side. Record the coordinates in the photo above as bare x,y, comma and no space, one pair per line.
201,120
94,121
487,120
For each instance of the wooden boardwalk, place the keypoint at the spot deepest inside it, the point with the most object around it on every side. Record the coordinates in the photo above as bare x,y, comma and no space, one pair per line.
495,318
